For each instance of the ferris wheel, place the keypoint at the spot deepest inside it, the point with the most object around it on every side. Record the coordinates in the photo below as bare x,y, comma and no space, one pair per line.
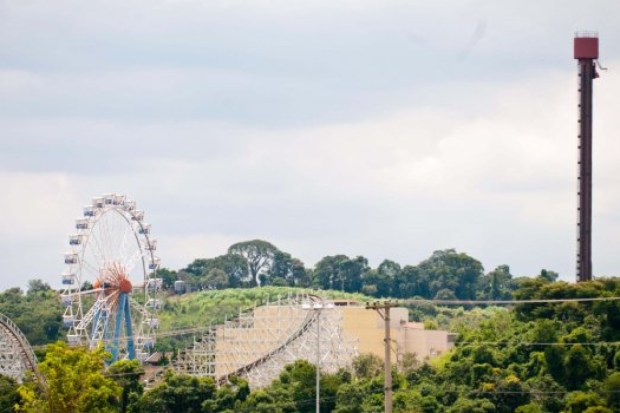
110,285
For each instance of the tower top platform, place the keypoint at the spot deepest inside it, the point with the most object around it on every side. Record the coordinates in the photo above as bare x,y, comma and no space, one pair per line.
586,45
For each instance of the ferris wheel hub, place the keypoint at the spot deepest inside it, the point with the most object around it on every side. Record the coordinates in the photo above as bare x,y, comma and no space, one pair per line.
124,285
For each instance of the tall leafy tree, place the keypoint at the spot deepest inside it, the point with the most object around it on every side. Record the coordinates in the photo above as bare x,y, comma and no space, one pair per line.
409,282
448,269
389,272
497,284
73,381
259,255
286,270
339,272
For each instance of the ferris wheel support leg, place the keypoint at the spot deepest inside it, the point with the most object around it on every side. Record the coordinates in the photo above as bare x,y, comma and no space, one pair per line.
122,303
131,350
95,325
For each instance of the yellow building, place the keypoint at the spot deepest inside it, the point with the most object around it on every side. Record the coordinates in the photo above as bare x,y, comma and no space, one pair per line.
368,327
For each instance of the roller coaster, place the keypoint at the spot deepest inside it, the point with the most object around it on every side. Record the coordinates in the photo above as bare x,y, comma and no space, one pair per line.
16,354
259,342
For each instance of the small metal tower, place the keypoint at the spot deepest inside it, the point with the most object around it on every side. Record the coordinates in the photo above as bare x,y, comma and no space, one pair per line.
586,52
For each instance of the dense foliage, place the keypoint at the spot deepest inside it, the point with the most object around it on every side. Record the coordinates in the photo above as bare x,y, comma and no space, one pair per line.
38,313
553,357
445,274
529,358
72,381
533,358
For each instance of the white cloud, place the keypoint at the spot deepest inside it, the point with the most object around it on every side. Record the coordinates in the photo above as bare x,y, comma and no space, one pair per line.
324,127
35,204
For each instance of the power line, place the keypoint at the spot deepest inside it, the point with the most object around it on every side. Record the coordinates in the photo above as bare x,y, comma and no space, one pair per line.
414,301
525,343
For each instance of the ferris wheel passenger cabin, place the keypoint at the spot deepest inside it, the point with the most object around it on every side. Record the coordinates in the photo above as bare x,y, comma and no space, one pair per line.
68,278
71,258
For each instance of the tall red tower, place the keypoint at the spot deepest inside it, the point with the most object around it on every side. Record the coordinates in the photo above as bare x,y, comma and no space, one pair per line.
586,52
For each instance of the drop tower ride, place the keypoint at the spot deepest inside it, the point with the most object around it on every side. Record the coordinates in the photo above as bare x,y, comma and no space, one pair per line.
586,53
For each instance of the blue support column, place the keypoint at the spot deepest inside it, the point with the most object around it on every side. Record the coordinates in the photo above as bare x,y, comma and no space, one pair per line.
129,333
122,302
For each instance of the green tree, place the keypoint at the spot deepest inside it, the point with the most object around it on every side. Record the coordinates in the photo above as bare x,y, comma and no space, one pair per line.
38,287
409,283
196,274
339,272
611,389
287,270
259,255
387,274
367,366
197,267
216,279
529,408
497,284
509,394
73,382
463,405
9,396
178,393
579,401
168,277
261,401
38,313
549,275
300,378
229,397
578,367
349,398
127,373
452,270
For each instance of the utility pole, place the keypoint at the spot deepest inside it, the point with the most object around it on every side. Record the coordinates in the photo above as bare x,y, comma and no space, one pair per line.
318,307
387,383
318,361
388,362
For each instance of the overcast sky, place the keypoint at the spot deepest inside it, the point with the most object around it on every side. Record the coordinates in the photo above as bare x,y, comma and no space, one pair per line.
387,129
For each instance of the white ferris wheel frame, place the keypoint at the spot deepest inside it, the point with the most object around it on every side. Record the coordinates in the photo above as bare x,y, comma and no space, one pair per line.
130,246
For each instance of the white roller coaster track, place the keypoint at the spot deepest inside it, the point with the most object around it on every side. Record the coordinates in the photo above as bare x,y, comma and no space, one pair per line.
305,325
260,364
16,355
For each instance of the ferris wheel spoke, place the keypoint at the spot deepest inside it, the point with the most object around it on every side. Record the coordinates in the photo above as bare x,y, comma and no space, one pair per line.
125,246
133,260
98,251
105,237
130,250
93,269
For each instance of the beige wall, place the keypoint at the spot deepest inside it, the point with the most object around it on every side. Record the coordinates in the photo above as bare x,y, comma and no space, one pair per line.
369,327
